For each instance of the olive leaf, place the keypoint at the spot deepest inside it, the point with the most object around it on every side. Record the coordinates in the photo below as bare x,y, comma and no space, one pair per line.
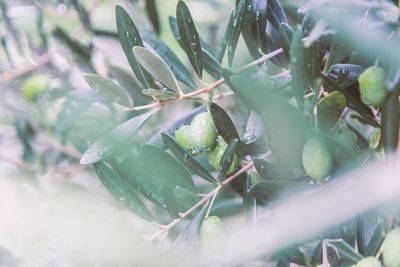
170,58
186,158
168,194
189,37
227,158
130,169
225,37
298,67
286,35
391,121
121,190
160,95
156,67
347,253
159,163
330,109
275,13
237,27
224,124
151,9
112,140
129,38
249,201
108,89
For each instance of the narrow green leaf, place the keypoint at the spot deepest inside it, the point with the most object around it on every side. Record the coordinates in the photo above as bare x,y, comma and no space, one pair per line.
186,158
189,37
376,240
121,191
254,128
173,62
224,124
129,84
237,27
159,163
188,237
391,121
249,201
168,194
83,14
163,94
151,10
227,158
298,67
129,37
108,89
347,253
130,169
156,67
225,37
330,109
275,13
118,136
266,169
267,191
286,35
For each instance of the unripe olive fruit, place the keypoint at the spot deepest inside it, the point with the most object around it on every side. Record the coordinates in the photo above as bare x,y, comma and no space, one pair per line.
317,159
203,131
372,86
345,142
200,135
391,249
211,235
34,86
183,137
369,262
214,156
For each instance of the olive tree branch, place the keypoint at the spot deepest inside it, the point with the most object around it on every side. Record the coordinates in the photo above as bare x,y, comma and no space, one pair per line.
202,201
209,87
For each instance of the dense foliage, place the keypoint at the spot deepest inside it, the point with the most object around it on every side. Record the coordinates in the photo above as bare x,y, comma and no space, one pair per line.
172,144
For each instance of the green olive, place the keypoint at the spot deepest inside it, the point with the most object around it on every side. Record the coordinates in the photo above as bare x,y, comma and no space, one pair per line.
391,249
203,131
34,86
200,135
345,142
372,86
183,137
215,154
317,159
369,262
211,235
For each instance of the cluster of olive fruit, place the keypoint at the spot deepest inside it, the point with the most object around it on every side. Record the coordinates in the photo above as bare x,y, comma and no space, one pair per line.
390,252
202,136
319,154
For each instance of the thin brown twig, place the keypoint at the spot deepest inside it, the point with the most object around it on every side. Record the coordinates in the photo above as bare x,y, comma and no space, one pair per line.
211,86
41,139
202,201
35,168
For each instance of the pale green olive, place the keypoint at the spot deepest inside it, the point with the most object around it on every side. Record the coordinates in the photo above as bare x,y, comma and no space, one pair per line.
214,156
183,137
372,86
34,86
200,135
317,159
369,262
212,235
203,131
391,249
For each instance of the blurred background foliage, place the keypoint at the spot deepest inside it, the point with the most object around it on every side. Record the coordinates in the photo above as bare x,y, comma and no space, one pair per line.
62,68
